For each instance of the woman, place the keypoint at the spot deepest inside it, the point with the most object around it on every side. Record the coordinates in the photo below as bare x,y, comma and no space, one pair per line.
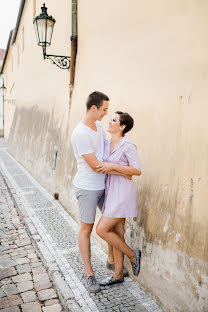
120,193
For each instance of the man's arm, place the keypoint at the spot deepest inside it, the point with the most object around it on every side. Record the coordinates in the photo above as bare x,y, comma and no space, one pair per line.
91,160
94,164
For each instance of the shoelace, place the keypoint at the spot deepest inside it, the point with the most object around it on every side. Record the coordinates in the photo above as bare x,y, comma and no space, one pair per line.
92,280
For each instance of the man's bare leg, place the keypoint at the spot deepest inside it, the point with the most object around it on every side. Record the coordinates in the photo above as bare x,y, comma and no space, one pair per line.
84,246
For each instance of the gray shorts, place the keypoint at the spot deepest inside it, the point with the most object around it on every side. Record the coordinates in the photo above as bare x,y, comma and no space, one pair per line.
88,201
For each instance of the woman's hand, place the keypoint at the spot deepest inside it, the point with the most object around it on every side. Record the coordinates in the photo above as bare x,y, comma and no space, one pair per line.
128,177
105,167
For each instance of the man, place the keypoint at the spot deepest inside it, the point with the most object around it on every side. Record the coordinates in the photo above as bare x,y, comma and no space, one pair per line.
88,144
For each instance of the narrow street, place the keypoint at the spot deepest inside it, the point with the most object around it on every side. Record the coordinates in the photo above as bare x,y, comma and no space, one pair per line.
41,267
25,284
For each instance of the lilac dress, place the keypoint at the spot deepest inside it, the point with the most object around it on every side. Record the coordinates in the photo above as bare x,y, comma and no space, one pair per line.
121,200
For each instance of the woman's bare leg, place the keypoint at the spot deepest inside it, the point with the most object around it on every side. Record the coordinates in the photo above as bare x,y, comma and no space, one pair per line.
110,254
103,229
118,255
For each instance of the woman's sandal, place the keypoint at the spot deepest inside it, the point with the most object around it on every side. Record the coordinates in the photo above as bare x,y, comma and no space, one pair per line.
110,281
111,266
136,266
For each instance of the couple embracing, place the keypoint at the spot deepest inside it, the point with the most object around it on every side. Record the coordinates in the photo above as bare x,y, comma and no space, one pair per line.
104,180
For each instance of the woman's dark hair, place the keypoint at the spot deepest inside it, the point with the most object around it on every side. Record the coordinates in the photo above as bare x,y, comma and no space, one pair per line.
96,98
127,120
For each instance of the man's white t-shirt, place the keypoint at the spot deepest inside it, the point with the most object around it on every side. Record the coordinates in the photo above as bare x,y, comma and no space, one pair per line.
85,141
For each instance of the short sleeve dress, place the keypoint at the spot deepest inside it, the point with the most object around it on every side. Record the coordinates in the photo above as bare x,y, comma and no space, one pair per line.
121,200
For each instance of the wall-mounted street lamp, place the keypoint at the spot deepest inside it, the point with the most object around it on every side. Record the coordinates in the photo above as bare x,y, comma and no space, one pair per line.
3,93
44,24
3,89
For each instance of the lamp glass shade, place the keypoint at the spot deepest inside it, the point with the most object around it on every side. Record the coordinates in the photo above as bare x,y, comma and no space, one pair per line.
3,90
41,32
49,32
44,27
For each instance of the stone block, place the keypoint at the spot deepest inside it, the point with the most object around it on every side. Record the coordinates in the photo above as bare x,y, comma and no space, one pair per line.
14,246
10,301
16,220
47,294
36,264
5,256
32,229
23,242
62,287
32,255
52,267
39,277
31,307
24,236
53,308
29,296
14,253
25,286
22,260
43,284
39,270
7,273
23,268
51,301
6,263
10,289
22,278
12,309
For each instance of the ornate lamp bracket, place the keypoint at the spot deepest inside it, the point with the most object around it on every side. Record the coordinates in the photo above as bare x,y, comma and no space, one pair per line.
61,61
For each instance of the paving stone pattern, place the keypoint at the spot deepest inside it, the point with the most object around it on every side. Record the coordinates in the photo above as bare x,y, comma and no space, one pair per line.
20,265
55,235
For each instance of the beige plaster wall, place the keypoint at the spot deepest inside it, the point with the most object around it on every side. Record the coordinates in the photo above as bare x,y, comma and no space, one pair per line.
38,91
151,59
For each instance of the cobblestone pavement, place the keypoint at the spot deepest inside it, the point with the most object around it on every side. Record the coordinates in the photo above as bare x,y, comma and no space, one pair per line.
54,234
25,284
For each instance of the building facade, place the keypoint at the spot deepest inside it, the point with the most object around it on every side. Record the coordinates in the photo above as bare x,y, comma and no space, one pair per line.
150,58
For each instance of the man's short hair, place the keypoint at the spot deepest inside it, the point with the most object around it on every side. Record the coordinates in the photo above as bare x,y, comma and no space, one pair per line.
96,98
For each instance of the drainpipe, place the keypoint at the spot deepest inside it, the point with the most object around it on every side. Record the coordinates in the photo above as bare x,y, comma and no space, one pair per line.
73,43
